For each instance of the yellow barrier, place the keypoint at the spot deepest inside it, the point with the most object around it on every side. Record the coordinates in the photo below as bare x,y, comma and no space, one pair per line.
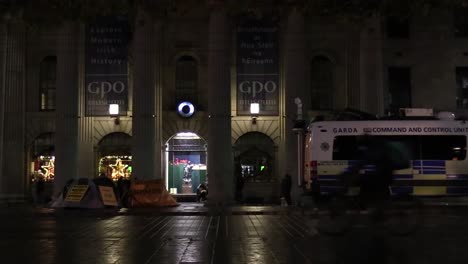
150,193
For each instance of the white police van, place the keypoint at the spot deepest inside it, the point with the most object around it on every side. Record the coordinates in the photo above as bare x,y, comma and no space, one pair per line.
437,149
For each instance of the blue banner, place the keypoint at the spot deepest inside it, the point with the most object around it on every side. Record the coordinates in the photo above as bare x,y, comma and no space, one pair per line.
257,66
106,65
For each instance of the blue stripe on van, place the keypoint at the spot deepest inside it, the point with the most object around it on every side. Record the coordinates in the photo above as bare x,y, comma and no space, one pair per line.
457,176
334,177
429,166
328,177
431,171
402,176
457,190
434,163
431,163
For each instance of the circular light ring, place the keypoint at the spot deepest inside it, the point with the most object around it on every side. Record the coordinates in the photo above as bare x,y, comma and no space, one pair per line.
182,109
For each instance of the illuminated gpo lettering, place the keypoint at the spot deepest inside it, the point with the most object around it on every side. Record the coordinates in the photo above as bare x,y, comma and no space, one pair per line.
103,88
257,87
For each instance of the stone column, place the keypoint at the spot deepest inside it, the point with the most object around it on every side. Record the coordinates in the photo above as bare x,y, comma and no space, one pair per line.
371,67
294,86
3,47
13,174
146,140
86,159
220,160
66,144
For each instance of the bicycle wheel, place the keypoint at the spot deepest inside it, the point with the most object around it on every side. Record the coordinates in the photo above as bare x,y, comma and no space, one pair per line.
403,216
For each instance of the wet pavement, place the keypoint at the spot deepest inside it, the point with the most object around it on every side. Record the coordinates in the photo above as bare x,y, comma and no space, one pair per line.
246,234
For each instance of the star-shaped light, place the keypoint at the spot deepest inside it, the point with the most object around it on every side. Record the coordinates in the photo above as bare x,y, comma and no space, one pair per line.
118,169
49,170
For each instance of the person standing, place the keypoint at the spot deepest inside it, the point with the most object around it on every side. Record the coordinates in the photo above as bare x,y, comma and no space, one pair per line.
40,190
286,184
239,184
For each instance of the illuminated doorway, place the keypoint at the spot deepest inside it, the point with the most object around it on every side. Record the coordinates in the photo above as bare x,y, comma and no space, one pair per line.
114,156
185,163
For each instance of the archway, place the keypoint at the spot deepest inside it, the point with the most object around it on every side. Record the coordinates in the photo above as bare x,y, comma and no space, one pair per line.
114,156
255,159
255,153
185,163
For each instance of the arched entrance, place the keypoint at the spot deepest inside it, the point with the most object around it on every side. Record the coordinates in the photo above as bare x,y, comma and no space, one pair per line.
114,156
43,157
185,163
255,158
255,152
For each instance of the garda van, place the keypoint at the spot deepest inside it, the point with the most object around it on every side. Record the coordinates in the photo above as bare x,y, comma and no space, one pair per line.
437,149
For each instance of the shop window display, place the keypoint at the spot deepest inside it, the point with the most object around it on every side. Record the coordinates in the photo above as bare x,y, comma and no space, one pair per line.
43,168
185,175
115,167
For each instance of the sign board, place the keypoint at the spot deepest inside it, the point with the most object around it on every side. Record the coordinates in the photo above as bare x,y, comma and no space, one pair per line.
106,65
108,195
76,193
257,66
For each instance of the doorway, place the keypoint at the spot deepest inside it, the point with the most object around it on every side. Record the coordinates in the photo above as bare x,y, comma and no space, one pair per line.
114,156
255,152
185,163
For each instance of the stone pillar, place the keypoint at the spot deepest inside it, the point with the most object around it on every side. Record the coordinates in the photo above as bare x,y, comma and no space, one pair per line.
146,139
220,160
13,174
294,86
371,67
86,158
66,146
3,47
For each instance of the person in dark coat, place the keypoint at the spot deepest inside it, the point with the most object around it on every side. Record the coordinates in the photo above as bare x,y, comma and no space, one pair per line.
239,185
202,192
286,184
40,190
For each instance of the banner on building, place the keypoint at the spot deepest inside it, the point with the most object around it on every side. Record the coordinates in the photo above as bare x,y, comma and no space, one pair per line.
257,66
106,65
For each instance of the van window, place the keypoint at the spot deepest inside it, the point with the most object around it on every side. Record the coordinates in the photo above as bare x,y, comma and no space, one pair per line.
425,147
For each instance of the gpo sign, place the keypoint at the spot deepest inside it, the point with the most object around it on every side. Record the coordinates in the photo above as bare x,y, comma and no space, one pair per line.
257,87
102,88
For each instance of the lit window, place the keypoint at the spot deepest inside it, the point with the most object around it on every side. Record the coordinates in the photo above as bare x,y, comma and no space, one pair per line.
47,83
186,80
399,89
